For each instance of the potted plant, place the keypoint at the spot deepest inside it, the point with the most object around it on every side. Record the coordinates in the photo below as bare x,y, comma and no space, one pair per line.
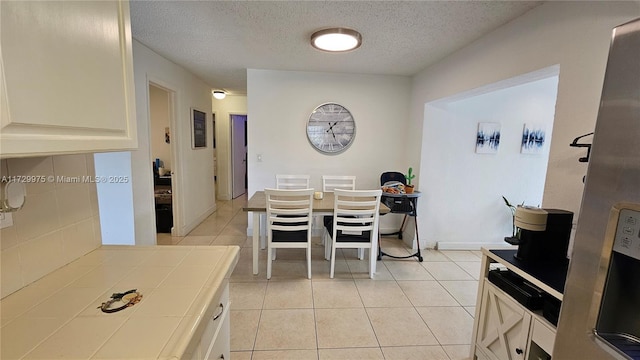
514,239
409,176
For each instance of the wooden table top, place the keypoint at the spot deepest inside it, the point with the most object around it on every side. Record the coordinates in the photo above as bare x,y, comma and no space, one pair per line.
258,202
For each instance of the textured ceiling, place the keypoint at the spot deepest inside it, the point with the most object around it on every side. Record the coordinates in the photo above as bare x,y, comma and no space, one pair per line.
219,40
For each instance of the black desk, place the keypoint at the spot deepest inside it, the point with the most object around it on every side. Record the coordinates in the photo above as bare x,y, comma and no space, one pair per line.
406,204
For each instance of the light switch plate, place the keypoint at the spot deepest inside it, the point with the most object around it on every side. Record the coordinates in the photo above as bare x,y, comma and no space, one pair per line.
6,220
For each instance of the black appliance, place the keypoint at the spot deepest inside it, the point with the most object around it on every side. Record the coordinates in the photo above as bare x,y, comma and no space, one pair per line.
543,234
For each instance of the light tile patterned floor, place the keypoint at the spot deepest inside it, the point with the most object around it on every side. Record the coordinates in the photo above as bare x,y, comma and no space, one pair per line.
411,310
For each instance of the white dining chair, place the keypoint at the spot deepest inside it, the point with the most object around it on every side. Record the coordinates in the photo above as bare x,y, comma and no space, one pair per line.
355,222
288,222
292,181
332,182
286,182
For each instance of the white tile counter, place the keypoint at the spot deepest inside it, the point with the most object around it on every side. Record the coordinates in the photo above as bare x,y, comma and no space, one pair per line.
58,316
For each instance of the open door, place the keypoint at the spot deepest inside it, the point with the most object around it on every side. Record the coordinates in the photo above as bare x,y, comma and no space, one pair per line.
239,155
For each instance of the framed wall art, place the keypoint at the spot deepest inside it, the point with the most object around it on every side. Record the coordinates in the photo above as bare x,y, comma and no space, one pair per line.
198,128
533,139
488,138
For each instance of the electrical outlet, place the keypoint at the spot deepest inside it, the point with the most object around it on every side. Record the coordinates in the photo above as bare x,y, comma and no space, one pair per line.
6,220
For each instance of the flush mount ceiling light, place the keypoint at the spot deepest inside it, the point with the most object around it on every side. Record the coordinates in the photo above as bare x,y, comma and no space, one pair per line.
219,94
336,39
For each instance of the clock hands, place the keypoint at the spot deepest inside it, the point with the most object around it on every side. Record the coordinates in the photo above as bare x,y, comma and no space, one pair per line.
331,129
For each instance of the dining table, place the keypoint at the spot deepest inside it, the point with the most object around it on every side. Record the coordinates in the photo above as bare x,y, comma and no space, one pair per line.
257,205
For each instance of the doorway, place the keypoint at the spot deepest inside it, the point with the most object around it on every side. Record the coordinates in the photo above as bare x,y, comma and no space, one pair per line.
162,154
238,155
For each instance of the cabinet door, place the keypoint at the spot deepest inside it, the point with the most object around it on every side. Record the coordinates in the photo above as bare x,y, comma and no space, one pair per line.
504,325
66,77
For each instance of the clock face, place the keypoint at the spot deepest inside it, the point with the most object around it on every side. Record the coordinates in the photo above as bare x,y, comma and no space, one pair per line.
331,128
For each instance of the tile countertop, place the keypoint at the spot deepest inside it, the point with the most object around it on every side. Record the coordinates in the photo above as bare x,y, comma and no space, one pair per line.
58,316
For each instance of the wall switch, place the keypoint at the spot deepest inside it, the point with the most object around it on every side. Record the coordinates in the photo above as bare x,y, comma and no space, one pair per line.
259,157
6,220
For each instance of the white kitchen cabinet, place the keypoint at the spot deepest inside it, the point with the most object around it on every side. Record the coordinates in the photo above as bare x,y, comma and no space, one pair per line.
503,328
504,325
66,78
220,349
212,338
216,339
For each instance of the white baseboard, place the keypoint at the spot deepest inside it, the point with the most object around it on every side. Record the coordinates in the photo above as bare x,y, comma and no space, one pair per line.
448,245
192,225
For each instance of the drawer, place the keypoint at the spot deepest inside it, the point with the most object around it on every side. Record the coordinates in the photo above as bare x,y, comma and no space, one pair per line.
220,308
543,336
220,348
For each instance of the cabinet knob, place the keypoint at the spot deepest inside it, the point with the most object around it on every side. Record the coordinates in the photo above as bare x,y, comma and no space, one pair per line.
519,351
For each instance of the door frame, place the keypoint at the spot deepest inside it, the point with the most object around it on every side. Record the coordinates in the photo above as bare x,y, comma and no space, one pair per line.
232,143
176,192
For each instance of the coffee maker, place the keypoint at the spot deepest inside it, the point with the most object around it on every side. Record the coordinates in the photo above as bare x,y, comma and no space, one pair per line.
543,234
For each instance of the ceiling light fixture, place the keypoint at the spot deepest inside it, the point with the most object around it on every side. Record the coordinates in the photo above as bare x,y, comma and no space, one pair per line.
336,39
219,94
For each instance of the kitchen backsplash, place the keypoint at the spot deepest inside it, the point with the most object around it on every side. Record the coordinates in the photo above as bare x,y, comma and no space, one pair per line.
58,223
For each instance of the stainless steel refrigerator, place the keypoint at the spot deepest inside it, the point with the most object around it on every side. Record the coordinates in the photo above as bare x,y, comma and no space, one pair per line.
600,314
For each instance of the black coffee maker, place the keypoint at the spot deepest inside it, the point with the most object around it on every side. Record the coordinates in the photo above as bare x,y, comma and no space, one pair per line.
543,234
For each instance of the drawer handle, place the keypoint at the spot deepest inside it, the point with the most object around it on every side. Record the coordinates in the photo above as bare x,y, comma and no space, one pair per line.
519,351
216,317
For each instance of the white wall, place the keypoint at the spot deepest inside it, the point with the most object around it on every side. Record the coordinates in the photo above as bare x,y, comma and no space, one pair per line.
280,102
575,35
115,198
159,110
193,183
232,104
465,189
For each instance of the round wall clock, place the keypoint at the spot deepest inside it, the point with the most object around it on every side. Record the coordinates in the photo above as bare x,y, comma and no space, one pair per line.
331,128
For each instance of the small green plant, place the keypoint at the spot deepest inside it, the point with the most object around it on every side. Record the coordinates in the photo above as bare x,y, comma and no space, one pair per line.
514,230
409,176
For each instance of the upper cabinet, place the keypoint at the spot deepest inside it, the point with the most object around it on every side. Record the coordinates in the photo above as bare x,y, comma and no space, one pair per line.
66,78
